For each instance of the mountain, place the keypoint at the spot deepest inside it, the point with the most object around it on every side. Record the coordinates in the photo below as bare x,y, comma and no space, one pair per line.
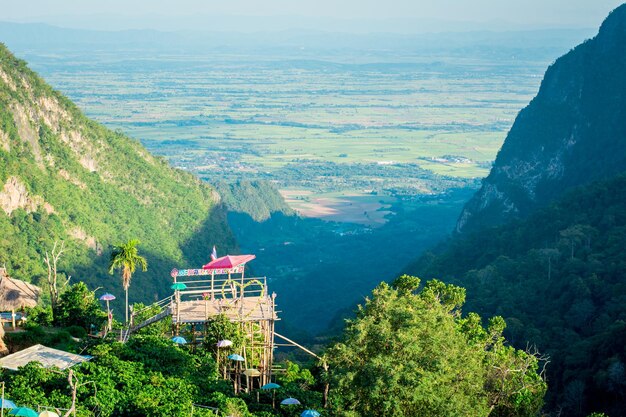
572,132
65,177
557,277
541,243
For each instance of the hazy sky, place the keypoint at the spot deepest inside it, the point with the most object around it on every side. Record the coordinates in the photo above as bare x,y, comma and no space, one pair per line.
180,14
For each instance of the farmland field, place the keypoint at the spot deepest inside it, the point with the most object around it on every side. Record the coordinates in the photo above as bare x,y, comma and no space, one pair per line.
401,126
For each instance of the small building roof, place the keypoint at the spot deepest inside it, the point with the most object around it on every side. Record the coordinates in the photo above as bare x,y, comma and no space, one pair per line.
15,294
229,261
48,357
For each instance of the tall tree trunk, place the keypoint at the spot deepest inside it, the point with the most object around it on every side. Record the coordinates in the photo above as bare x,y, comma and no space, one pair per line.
126,311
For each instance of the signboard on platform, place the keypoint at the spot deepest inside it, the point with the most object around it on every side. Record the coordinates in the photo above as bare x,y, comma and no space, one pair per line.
198,272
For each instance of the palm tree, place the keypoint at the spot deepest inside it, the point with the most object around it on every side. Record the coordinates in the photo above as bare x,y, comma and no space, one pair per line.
126,257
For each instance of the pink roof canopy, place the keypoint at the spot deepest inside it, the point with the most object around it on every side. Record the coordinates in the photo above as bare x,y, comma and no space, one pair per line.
228,262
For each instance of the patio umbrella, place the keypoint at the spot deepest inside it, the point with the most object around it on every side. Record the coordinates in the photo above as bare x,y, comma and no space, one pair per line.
235,357
48,414
179,340
310,413
7,404
178,286
228,261
24,412
273,386
224,343
290,401
108,297
252,372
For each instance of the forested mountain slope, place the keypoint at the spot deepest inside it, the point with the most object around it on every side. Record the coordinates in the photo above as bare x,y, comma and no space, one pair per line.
258,198
572,132
559,280
65,177
554,265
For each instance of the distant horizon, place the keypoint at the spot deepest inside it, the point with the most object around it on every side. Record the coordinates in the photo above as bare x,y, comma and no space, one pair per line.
451,30
347,16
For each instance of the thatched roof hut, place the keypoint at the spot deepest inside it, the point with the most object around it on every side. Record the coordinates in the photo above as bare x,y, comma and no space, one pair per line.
16,294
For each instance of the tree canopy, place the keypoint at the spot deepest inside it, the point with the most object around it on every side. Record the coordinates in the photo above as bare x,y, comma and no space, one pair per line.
412,353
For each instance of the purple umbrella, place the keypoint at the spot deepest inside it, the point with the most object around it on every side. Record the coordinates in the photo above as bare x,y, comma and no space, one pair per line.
224,343
108,297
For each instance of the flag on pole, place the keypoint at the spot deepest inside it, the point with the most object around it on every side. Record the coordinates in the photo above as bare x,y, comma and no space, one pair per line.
214,254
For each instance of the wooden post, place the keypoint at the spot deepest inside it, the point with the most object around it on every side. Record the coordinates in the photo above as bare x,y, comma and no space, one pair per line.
109,318
245,363
243,270
177,296
13,318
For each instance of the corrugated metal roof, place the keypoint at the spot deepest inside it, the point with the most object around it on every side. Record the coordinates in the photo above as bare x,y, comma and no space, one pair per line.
48,357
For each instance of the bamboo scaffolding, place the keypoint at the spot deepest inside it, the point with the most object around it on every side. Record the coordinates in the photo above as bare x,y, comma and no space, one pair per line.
242,300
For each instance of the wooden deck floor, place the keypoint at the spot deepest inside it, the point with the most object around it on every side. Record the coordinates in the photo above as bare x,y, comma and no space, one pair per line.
246,309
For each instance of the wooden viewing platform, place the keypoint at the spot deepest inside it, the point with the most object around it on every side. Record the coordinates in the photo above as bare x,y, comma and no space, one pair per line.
221,288
239,309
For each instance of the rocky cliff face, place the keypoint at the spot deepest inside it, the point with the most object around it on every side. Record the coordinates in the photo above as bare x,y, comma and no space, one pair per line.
572,132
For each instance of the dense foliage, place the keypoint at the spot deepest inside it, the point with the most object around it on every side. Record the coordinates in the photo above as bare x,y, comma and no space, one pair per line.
259,199
558,279
78,307
407,354
413,354
148,376
81,183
